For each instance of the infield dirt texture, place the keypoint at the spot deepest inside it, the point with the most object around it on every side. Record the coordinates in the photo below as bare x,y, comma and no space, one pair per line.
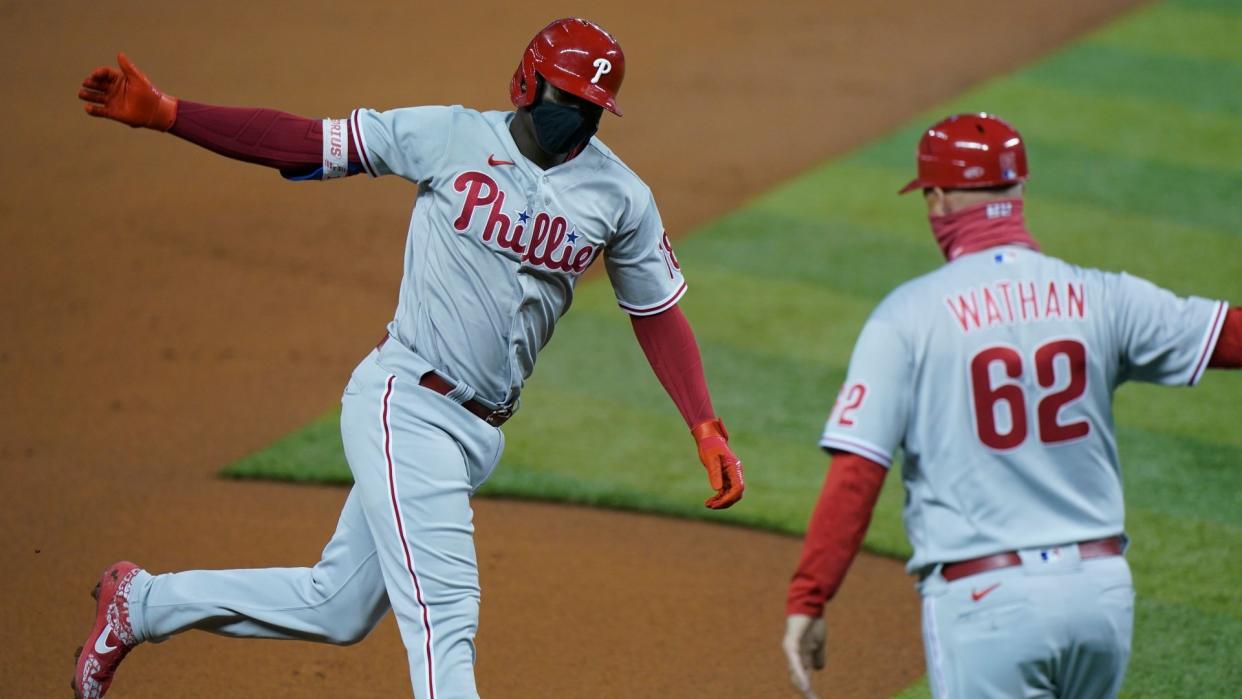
166,312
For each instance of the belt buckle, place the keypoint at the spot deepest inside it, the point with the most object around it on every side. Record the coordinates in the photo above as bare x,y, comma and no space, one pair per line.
497,417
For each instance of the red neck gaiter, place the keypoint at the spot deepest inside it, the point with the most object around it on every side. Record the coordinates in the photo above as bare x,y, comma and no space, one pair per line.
980,227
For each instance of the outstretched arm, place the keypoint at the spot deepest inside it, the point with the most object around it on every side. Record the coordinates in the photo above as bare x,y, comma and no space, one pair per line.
292,144
668,342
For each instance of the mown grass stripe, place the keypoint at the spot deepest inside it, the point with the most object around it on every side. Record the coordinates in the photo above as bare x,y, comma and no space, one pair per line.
1171,660
1195,83
1142,127
1208,411
889,261
1181,30
1169,562
1232,7
1189,479
1091,235
1153,130
1184,195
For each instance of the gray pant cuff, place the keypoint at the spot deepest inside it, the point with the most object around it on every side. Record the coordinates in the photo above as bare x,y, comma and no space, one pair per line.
138,606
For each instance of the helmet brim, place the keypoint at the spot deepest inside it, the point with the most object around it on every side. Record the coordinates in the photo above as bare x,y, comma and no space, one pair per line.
918,183
591,93
611,105
914,184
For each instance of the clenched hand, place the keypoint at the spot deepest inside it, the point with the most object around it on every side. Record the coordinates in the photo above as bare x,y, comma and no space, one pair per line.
724,469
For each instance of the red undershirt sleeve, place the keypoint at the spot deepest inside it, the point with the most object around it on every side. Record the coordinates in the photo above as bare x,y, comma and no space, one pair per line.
668,341
1228,351
835,533
290,143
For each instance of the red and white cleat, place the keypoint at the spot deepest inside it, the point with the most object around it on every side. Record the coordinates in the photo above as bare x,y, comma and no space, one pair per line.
111,638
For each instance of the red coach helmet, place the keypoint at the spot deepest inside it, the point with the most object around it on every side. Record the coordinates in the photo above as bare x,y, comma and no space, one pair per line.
967,151
576,56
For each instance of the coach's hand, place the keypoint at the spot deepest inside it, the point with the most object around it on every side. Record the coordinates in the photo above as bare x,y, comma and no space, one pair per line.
127,96
804,649
724,469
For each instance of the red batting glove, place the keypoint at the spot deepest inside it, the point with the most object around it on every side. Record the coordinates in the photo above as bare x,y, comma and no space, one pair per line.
724,469
127,96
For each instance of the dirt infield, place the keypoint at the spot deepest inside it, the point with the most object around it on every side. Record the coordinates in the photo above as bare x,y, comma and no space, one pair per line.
165,311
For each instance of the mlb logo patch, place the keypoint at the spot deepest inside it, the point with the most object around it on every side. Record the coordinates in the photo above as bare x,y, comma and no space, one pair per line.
1008,165
1050,555
1004,258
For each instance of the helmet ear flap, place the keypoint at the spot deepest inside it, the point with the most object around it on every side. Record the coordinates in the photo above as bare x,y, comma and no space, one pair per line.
521,92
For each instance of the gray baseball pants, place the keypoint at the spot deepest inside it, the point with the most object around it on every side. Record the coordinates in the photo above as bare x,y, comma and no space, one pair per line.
404,540
1055,626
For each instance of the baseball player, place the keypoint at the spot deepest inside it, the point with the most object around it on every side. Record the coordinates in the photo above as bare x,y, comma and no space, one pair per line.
512,208
995,375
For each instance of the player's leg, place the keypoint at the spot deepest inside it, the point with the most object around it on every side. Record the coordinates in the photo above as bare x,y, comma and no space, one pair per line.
412,452
1103,613
339,600
983,636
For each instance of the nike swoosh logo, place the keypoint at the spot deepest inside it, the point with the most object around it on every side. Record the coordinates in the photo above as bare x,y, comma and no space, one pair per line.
101,643
491,160
976,595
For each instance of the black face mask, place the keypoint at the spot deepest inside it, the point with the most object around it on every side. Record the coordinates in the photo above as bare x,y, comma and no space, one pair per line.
559,128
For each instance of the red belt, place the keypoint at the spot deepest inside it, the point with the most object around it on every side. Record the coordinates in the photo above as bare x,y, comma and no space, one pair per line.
1096,548
495,418
432,381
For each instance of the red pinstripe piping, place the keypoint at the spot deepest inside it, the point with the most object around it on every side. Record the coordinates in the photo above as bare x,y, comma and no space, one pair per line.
409,561
936,673
359,145
1207,346
858,448
658,307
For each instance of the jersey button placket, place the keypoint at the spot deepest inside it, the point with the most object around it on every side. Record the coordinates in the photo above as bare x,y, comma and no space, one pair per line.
533,192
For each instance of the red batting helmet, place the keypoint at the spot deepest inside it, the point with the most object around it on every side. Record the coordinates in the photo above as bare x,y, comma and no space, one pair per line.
968,151
576,56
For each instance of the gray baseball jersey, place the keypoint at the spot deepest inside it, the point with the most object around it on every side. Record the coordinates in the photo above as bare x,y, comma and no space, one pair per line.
496,244
494,248
995,375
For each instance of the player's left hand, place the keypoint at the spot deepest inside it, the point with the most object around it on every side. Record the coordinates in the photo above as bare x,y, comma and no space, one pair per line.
127,96
724,469
804,644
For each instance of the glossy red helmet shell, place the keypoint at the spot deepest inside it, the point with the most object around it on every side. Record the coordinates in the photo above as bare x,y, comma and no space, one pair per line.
576,56
967,151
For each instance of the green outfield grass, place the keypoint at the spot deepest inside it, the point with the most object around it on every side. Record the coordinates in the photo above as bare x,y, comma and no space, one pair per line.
1135,145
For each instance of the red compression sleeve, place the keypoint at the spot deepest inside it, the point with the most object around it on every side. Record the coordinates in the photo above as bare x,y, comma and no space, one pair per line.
1228,352
836,531
268,137
668,342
